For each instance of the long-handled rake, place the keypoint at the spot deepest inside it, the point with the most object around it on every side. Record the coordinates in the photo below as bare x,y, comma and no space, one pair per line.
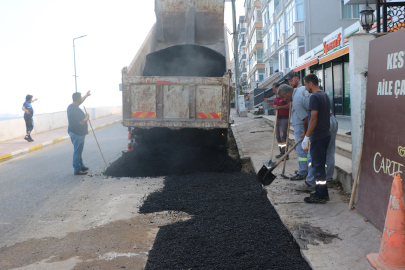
97,142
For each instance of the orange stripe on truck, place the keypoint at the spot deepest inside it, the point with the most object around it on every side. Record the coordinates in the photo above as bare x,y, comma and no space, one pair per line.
143,115
209,115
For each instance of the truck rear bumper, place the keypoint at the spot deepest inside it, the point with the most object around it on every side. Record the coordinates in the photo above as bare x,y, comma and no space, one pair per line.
192,123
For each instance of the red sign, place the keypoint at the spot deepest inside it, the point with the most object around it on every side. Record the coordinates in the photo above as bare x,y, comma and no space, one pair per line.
333,44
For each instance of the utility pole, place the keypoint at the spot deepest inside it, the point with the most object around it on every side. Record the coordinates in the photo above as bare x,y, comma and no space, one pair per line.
236,56
74,59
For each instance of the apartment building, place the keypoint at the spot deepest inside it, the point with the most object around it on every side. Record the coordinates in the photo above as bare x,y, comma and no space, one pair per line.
292,27
255,66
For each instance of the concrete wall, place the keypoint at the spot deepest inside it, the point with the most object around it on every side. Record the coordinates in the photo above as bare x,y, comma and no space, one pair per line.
15,128
358,66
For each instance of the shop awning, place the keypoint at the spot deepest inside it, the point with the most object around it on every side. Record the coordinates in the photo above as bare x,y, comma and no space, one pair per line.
308,64
334,55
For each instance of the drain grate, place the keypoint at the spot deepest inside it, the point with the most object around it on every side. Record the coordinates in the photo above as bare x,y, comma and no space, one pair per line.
164,218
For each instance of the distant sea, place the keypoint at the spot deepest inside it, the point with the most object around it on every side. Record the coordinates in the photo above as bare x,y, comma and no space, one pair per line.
8,117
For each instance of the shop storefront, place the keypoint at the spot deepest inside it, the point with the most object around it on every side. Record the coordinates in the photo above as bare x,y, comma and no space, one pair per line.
330,62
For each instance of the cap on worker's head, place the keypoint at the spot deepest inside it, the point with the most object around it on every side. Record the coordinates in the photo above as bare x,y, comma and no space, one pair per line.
292,74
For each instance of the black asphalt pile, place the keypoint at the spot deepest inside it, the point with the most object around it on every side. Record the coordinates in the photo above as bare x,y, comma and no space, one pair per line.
171,159
234,226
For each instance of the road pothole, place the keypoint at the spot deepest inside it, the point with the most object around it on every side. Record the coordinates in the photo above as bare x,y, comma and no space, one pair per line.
164,218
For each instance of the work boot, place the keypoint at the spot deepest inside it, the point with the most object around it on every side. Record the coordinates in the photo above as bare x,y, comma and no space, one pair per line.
314,199
83,169
298,177
80,173
30,139
327,198
329,184
305,187
26,138
279,155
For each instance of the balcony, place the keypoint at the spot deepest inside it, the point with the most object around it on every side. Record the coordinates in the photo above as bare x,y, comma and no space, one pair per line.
242,30
279,8
259,41
281,40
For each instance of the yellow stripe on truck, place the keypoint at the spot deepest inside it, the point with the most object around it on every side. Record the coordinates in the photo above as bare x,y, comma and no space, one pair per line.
35,147
5,157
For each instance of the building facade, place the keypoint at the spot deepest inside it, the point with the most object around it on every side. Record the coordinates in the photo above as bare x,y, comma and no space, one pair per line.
291,28
255,66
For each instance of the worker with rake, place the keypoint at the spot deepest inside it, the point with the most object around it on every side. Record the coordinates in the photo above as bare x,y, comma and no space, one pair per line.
78,129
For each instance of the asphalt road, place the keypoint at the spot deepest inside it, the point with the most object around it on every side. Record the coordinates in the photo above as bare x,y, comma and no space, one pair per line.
29,182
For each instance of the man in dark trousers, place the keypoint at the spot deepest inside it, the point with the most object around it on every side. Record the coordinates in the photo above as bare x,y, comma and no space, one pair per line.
283,113
28,116
319,135
77,130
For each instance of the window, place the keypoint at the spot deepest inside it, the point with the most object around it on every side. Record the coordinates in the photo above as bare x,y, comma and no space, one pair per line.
289,20
301,46
287,58
350,11
292,51
299,6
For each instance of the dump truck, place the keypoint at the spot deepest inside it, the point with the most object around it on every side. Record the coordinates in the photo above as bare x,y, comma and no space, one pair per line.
178,85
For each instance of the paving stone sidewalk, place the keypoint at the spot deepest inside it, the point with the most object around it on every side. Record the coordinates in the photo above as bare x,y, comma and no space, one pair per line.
356,237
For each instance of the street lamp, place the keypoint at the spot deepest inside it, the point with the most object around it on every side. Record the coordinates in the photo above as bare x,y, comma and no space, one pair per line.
367,18
74,58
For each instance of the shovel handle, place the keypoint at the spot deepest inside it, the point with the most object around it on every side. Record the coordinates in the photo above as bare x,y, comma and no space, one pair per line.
274,136
288,136
286,154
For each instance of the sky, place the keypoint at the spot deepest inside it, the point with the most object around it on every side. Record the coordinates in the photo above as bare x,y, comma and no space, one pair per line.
36,49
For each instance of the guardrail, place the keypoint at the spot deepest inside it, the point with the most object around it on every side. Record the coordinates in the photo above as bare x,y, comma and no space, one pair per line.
15,128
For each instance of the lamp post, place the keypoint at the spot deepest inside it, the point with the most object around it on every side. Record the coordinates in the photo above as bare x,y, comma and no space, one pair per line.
74,59
367,18
257,84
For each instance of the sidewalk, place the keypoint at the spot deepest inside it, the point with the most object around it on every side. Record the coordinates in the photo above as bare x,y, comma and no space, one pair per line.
330,236
17,147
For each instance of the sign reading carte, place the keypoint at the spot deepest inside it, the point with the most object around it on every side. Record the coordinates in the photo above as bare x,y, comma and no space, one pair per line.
384,129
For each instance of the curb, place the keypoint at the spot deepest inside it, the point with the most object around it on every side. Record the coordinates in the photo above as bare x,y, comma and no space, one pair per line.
45,144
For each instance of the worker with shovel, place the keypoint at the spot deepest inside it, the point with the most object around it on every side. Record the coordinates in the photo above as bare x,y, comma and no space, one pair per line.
77,130
319,135
299,113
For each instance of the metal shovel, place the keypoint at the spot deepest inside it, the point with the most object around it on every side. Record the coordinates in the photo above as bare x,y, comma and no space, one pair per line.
265,175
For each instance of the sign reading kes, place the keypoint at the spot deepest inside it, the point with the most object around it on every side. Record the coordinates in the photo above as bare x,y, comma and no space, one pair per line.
397,87
384,127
